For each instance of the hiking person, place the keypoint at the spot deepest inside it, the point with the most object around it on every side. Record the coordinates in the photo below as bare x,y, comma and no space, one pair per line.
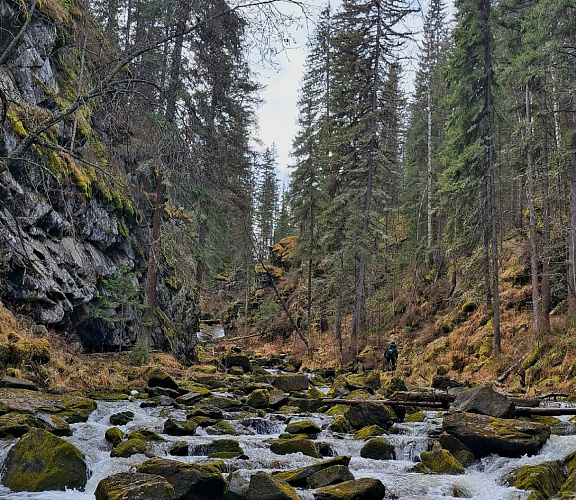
391,356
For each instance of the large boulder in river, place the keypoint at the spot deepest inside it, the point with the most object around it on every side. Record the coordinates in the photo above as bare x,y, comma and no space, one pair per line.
438,461
294,445
291,382
365,488
134,486
485,400
237,358
41,461
371,413
299,477
160,378
303,427
190,481
377,448
484,435
543,480
263,486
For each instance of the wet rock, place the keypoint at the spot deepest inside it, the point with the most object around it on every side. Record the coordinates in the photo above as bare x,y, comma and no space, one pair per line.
371,413
377,448
130,447
114,435
393,385
303,427
163,391
160,378
296,445
260,398
180,427
369,431
263,486
208,411
237,488
221,428
358,489
223,403
54,424
483,399
367,380
72,409
331,475
458,449
305,404
299,477
484,435
339,388
17,383
179,449
339,425
134,486
193,396
228,446
57,464
438,461
544,480
122,418
145,435
17,424
237,358
190,481
291,383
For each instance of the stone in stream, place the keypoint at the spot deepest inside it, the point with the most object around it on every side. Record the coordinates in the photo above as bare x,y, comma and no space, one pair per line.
295,445
371,413
114,435
485,435
17,424
224,448
134,486
179,449
377,448
237,486
160,378
340,425
458,449
263,486
260,398
365,488
369,431
438,461
180,427
299,477
130,447
331,475
121,418
303,427
485,400
190,481
40,461
544,480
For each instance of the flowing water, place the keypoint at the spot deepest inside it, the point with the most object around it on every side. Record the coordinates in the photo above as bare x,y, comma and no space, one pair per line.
482,481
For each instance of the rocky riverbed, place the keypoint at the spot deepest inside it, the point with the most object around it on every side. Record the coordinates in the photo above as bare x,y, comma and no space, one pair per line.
253,434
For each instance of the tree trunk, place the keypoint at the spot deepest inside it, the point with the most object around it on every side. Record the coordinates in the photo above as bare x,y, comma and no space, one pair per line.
532,216
545,283
572,231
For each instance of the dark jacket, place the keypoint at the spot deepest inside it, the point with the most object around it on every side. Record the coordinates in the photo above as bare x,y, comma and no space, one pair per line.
391,352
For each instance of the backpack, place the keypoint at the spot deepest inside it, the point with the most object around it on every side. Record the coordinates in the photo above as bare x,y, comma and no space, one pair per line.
391,352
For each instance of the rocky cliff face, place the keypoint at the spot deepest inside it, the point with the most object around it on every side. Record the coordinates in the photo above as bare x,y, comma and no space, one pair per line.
69,218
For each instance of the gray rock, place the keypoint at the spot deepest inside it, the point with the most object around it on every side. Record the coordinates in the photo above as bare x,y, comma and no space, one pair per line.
134,486
483,399
266,487
331,475
358,489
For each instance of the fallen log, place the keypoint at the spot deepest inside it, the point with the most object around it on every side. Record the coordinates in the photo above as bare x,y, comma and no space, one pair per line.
551,412
389,402
449,398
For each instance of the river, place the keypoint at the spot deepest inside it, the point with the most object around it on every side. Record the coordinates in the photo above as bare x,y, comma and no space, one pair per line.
481,481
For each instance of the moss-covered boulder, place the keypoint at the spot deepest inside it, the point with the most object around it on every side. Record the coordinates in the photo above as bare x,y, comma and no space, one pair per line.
484,435
377,448
121,418
160,378
263,486
190,481
393,385
369,431
358,489
458,449
340,425
229,446
260,398
134,486
235,357
222,402
145,435
438,461
371,413
179,449
299,477
195,393
418,416
296,445
368,380
220,428
17,424
41,461
485,400
303,427
114,435
339,388
291,382
331,475
544,480
237,486
130,447
180,427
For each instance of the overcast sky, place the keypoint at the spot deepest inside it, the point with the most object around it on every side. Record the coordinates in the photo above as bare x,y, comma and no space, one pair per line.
278,113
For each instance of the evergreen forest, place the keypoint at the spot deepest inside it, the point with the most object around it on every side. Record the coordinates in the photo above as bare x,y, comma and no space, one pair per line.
431,200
